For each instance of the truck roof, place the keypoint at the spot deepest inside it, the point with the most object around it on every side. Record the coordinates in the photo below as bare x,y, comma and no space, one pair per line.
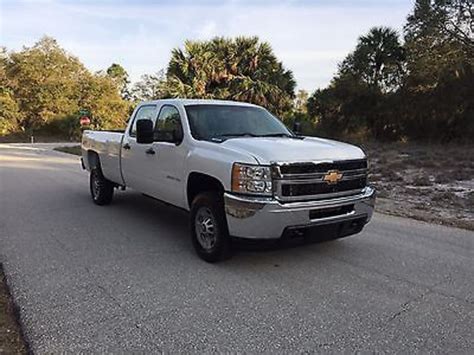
187,102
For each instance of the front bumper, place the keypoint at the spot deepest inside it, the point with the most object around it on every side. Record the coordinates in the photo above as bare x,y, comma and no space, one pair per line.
266,218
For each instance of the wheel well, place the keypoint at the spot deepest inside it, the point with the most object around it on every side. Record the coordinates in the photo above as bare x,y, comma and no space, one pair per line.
93,159
198,182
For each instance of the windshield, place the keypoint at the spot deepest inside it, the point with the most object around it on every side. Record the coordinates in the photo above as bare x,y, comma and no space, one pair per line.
226,121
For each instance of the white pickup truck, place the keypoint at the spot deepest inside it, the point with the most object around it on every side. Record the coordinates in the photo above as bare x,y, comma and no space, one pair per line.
237,169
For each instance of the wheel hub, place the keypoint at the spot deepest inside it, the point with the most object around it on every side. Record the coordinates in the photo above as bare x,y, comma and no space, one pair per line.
95,185
205,228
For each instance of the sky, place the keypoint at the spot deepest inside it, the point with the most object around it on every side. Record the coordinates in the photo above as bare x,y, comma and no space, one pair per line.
309,37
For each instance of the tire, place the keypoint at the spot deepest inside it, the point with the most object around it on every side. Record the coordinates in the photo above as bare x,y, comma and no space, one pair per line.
209,231
102,190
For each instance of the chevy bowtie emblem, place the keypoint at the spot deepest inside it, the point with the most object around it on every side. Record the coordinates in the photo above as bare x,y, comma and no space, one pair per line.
332,177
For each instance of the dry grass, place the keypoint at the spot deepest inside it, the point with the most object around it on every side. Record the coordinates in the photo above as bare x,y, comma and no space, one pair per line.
434,183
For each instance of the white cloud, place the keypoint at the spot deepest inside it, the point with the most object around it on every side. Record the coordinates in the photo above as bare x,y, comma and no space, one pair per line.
209,30
310,39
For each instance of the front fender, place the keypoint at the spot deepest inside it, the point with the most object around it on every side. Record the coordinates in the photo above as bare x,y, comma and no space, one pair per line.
215,161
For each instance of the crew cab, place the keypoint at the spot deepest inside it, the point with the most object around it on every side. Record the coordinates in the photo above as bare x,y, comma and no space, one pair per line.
236,168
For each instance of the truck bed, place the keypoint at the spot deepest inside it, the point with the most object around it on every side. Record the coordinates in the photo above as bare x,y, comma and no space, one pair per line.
108,145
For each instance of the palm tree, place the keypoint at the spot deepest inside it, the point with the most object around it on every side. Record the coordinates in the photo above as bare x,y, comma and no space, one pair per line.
242,69
378,59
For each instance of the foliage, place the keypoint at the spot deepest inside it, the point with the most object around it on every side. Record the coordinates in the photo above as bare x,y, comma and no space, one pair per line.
120,77
357,100
300,101
149,87
437,95
10,113
421,90
377,60
44,87
443,20
384,89
100,96
352,107
43,80
241,69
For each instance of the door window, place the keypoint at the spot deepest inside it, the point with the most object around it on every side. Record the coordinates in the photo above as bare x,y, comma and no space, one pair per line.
146,112
168,126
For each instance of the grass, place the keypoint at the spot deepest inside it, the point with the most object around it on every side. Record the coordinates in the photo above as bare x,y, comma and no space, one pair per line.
11,340
76,150
21,137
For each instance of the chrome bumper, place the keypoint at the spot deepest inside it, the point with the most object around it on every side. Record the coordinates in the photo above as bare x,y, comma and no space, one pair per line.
266,218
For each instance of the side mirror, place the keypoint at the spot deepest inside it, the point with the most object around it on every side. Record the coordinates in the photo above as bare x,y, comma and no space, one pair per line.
177,136
297,128
145,131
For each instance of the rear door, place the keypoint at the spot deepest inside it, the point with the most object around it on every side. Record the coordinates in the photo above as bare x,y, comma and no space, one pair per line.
134,156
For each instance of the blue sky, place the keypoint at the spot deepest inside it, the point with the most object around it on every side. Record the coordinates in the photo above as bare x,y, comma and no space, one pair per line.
310,37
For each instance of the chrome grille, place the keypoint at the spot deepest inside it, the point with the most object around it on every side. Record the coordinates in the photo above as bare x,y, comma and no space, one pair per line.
305,181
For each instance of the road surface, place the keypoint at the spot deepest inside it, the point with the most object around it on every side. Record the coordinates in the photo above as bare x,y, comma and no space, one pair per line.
125,277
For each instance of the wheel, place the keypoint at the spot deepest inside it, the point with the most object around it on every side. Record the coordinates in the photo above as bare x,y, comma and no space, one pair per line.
102,190
209,232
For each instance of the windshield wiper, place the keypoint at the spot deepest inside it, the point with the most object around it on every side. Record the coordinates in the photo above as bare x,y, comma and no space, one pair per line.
277,135
230,135
248,134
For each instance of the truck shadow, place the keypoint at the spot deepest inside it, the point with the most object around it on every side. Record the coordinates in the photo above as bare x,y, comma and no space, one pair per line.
172,223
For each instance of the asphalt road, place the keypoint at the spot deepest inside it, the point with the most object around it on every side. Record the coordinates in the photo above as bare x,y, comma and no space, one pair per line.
125,277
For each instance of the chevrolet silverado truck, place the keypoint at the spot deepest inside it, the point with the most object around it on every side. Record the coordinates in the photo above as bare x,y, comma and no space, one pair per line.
236,168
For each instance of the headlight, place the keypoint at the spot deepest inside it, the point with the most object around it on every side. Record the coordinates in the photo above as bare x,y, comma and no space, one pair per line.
253,179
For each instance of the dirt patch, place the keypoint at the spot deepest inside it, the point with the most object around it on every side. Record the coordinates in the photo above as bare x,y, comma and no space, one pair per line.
434,183
11,340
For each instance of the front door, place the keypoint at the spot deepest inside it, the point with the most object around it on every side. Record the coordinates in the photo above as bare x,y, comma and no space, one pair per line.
134,156
170,153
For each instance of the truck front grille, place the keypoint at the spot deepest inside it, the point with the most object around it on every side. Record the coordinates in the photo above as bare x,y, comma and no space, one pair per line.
306,181
311,168
322,188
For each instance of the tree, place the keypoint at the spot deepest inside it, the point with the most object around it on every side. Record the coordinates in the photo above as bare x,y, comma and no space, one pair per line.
357,102
377,60
459,21
120,77
100,96
44,87
149,87
437,94
9,111
351,107
43,80
301,100
442,20
434,52
241,69
420,91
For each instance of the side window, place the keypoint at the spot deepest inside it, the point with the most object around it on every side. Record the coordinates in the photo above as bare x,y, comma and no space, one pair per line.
146,112
168,126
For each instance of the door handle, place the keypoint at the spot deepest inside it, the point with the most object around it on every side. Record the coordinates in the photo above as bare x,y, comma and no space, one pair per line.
126,146
150,151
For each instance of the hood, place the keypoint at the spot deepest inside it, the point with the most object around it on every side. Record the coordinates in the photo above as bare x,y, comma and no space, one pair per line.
273,149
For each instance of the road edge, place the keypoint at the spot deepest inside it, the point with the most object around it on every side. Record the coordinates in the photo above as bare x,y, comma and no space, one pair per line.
13,311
